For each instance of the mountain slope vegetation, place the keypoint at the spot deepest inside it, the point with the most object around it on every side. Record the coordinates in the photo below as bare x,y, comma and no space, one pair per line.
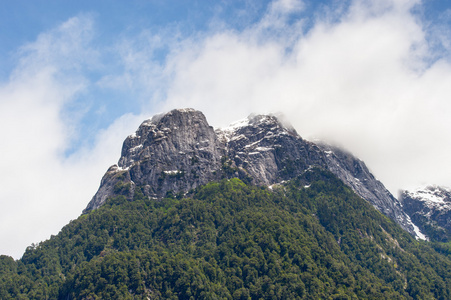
310,238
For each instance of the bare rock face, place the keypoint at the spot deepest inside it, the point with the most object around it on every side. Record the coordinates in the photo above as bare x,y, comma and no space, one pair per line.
356,175
268,151
175,152
114,182
178,151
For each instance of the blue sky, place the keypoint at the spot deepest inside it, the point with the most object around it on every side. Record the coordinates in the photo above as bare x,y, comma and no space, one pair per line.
113,22
76,77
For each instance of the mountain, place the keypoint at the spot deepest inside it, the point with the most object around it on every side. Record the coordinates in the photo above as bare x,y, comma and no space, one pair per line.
430,209
309,238
252,211
178,151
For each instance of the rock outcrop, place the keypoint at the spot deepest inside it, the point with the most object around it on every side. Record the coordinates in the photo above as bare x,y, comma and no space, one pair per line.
178,151
174,152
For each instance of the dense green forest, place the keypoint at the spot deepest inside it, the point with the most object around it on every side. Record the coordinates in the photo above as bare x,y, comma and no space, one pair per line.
311,238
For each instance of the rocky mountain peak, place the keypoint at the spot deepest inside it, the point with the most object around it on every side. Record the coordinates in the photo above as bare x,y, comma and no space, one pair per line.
172,152
268,151
177,132
179,151
430,208
264,123
431,193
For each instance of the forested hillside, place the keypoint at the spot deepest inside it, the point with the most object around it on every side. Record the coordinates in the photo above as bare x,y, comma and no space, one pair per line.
311,238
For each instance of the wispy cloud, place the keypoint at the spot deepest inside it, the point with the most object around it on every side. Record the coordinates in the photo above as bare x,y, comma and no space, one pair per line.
364,79
371,75
41,188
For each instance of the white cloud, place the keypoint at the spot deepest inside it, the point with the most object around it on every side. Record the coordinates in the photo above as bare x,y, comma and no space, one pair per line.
41,189
365,81
279,11
367,77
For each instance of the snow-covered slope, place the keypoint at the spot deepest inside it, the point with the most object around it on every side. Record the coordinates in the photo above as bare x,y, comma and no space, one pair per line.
430,209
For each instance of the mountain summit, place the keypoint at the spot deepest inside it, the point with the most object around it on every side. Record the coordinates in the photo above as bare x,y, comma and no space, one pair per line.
251,211
179,151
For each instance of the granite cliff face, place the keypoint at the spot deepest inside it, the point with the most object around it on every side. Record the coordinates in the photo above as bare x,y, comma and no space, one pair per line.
178,151
430,209
174,152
